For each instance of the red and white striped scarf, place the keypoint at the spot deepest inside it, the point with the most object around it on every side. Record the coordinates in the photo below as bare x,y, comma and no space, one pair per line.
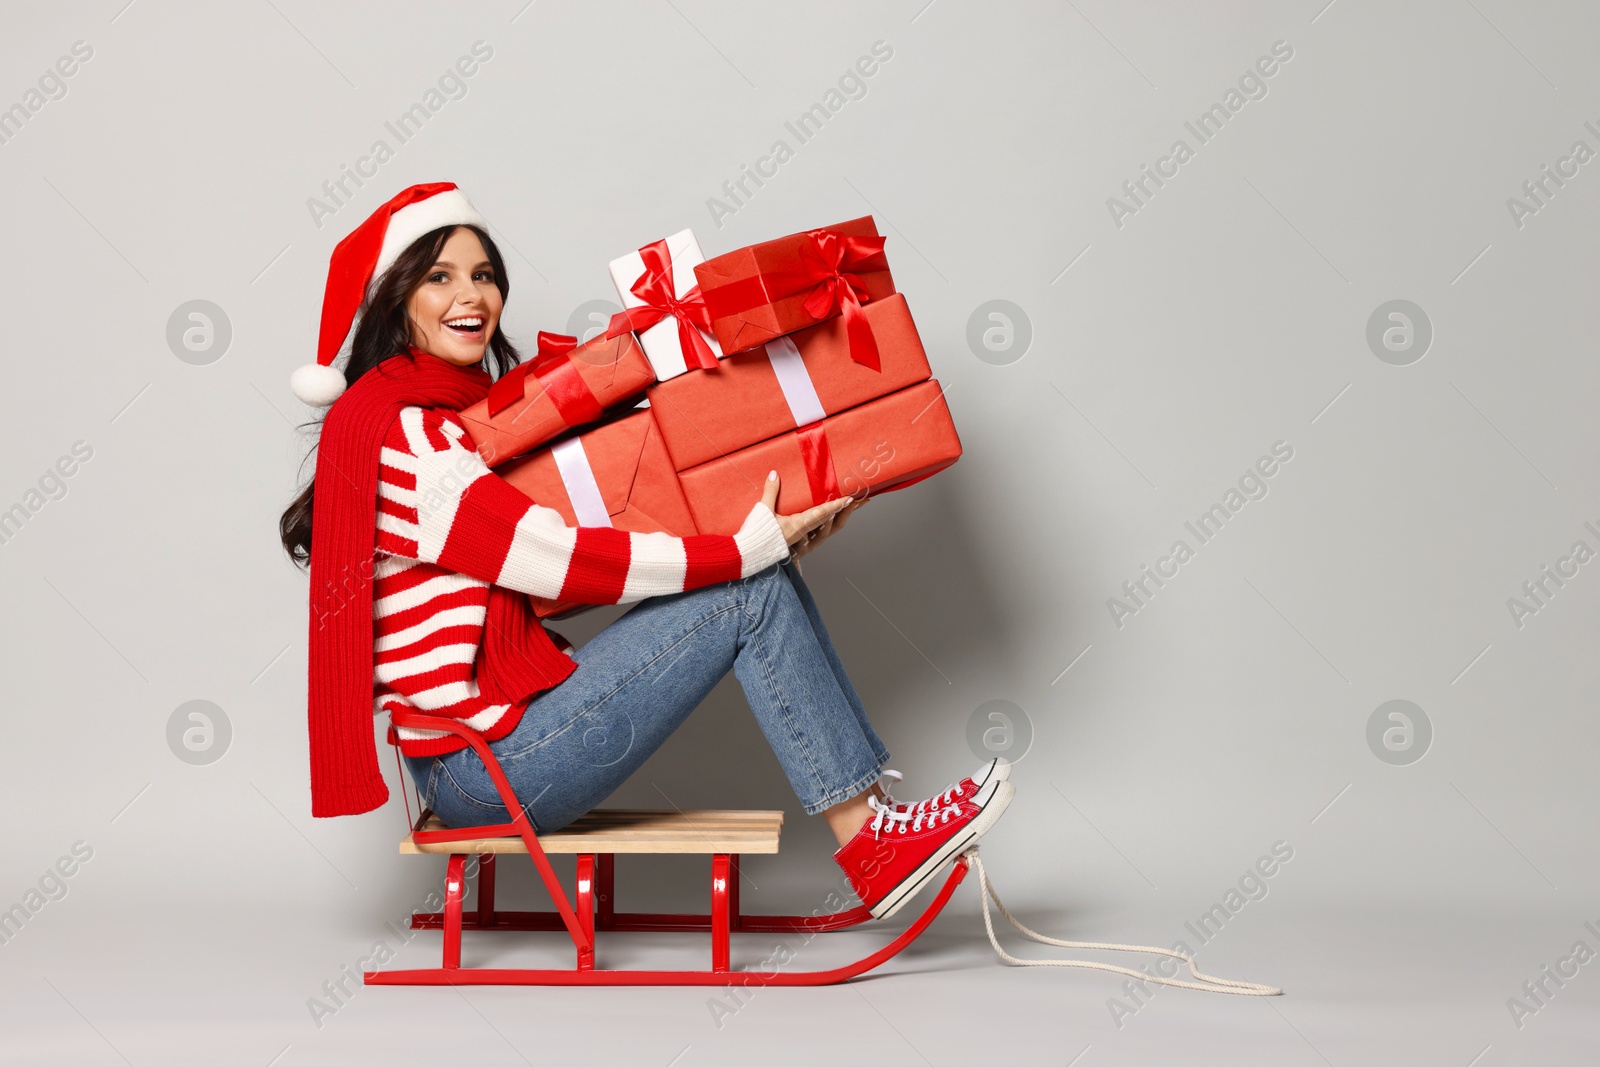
518,659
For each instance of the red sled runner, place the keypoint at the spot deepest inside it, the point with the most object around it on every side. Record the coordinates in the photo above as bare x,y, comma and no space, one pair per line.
596,840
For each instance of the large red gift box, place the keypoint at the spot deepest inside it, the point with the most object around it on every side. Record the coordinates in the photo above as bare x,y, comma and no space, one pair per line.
786,383
884,444
567,385
766,290
617,474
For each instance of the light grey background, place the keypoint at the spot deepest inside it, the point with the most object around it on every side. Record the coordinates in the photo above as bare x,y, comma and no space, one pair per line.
1168,353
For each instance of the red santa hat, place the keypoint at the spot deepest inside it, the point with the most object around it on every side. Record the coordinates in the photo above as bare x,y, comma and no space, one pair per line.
370,250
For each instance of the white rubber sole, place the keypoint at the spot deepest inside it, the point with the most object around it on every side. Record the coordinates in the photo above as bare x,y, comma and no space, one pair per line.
902,893
1000,771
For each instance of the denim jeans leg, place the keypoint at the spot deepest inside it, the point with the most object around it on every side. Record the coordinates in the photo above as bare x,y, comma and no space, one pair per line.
637,681
576,743
424,774
792,569
824,744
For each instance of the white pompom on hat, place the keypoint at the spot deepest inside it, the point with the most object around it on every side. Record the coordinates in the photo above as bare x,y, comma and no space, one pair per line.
365,254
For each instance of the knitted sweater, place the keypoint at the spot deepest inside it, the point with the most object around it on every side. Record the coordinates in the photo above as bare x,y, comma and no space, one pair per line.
448,528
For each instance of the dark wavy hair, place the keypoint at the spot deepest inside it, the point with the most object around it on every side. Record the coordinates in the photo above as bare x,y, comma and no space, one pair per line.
384,330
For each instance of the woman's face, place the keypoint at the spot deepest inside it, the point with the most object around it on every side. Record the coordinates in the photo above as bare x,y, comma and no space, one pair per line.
456,309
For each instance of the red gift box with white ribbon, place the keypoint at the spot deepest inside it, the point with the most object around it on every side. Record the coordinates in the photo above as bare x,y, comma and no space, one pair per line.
617,474
565,386
763,291
787,383
888,443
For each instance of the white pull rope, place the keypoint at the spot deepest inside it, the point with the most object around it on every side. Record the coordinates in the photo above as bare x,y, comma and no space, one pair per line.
1207,982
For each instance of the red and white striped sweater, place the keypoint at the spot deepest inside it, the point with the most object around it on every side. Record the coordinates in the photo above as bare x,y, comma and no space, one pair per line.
448,528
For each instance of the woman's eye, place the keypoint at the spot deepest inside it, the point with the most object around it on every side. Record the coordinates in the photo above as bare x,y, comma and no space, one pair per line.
485,275
438,276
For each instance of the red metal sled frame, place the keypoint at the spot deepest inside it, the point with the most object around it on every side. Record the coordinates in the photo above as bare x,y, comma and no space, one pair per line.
593,909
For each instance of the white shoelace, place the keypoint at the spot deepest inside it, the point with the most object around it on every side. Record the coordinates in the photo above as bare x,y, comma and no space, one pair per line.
894,818
937,801
1207,982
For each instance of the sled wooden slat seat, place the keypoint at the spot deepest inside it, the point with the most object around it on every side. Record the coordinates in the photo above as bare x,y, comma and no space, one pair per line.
629,831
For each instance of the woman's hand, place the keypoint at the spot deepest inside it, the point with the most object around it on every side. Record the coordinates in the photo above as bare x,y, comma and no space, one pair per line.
805,530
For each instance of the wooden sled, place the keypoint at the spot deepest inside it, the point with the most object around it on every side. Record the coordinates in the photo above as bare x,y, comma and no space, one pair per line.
596,840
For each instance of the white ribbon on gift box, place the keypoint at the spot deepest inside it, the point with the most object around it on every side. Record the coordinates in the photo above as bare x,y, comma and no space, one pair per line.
795,381
573,464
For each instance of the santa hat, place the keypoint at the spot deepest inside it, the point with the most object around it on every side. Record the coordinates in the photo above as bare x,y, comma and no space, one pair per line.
370,250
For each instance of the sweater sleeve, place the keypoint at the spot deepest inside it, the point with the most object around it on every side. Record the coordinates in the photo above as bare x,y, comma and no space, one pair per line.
439,503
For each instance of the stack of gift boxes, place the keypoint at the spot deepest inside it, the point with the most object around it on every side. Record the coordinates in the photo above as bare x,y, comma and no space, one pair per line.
795,355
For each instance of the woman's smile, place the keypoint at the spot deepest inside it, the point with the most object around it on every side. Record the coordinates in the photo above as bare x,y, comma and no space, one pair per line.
468,326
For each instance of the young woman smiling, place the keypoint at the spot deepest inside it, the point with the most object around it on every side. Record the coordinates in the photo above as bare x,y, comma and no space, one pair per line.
421,558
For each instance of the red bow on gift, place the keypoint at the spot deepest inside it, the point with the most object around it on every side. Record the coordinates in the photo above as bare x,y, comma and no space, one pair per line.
829,263
816,454
570,394
655,288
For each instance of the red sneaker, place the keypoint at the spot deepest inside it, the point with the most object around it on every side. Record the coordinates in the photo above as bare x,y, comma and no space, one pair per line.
899,850
997,769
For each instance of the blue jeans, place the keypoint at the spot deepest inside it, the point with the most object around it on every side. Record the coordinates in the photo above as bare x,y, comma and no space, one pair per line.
638,680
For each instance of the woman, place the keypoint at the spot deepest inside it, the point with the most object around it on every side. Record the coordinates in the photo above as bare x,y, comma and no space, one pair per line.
421,556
